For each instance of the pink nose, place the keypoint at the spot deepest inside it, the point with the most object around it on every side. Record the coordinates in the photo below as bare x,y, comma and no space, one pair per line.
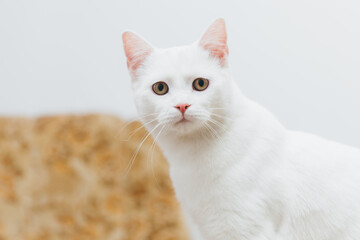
182,107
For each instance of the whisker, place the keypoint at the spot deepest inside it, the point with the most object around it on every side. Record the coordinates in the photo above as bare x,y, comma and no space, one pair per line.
222,141
130,122
205,132
147,115
218,124
153,143
215,133
122,129
131,162
221,116
217,108
152,152
137,129
206,125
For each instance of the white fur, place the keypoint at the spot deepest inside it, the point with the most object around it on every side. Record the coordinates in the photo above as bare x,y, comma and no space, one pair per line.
243,175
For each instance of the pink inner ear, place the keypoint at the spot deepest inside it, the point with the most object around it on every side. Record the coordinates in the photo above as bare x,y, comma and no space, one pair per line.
214,40
133,62
136,51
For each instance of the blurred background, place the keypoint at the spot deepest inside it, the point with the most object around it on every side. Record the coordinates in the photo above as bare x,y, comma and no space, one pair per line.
300,59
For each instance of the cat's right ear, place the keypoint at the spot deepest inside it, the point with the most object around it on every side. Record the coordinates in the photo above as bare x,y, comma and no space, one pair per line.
136,50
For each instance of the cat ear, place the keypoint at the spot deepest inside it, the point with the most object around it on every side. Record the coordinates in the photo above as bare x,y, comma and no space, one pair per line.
214,40
136,50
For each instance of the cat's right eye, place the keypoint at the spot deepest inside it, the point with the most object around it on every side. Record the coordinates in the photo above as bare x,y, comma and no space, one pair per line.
160,88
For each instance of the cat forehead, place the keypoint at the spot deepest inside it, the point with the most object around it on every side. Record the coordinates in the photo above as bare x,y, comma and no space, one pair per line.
182,60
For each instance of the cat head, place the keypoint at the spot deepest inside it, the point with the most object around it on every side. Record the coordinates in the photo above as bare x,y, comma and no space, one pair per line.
182,89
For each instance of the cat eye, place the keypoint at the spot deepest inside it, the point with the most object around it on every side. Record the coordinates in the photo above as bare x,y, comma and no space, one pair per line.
160,88
200,84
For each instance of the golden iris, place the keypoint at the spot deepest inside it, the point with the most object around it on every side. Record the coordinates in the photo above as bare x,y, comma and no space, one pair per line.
200,84
160,88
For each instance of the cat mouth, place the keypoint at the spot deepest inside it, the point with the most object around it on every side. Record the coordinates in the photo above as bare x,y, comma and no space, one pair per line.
183,120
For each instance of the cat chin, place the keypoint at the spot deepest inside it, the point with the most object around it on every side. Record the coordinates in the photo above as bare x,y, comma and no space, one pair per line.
186,127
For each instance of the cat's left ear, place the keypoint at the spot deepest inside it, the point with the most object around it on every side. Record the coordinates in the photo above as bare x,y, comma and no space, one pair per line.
136,51
214,40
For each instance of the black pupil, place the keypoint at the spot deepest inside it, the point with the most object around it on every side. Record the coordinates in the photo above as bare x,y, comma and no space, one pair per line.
160,87
201,82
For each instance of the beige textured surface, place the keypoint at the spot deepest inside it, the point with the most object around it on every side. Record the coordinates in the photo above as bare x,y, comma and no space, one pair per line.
63,178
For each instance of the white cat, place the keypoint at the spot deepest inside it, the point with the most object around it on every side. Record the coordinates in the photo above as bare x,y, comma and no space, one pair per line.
237,172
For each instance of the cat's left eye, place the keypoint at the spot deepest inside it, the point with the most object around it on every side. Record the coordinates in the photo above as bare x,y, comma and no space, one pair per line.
200,84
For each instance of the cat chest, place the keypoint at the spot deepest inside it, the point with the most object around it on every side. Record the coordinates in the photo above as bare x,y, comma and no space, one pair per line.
218,204
206,189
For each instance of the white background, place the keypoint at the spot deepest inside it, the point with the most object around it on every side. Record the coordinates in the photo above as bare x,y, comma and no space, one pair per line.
301,59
